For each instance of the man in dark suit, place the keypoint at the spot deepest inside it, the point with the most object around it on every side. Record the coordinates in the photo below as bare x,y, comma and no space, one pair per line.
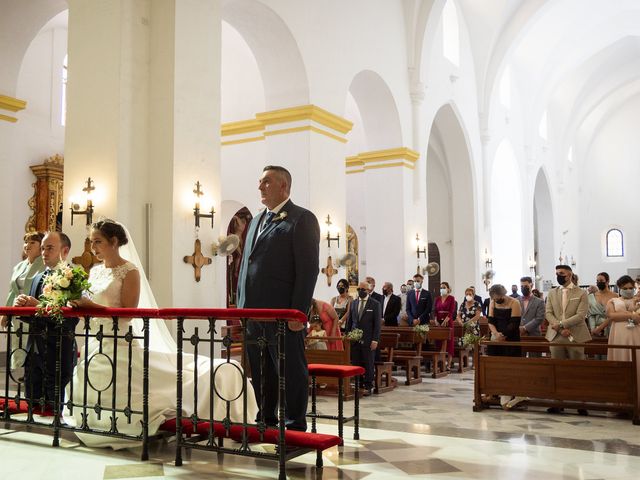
365,314
40,367
279,269
419,303
391,305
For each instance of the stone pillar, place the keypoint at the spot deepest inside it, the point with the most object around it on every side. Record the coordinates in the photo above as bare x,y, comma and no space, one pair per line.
143,122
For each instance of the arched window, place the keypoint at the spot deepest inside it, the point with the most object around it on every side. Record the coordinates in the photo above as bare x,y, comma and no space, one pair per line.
615,243
570,154
505,88
63,110
450,33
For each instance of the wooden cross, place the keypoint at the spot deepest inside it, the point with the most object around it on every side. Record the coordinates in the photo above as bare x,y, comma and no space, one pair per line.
89,188
86,259
198,260
329,271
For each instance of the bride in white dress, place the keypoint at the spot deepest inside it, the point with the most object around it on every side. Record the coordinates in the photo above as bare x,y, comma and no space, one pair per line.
118,283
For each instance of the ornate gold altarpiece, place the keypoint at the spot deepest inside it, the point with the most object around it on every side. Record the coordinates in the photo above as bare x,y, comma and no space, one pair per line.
46,202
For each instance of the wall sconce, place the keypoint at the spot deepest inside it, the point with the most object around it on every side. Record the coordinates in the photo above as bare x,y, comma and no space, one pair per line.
573,262
329,237
196,209
419,250
532,265
88,211
488,261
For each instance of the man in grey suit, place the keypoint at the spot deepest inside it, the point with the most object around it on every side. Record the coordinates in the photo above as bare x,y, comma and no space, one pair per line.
532,309
279,269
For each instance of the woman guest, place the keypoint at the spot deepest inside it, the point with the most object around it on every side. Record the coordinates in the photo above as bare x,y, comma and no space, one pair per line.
329,318
21,280
622,314
504,323
469,313
341,303
598,305
445,314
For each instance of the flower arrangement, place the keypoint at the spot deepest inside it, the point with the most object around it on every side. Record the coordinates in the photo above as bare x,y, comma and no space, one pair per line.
64,284
421,329
470,338
354,335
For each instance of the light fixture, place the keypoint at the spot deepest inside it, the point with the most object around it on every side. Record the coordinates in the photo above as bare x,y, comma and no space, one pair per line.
573,262
88,211
196,209
532,265
419,250
329,237
488,261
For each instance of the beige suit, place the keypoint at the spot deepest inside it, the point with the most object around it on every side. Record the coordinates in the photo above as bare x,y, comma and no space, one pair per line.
572,318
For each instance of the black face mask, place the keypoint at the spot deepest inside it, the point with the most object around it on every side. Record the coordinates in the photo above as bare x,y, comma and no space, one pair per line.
526,291
341,290
601,285
499,301
561,279
362,293
384,291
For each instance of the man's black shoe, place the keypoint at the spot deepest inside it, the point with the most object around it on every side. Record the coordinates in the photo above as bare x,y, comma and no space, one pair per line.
555,410
583,412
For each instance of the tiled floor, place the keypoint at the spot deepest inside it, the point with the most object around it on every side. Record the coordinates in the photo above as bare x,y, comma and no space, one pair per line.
424,431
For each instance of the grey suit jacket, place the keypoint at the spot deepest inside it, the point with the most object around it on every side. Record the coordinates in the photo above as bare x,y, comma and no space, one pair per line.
533,316
573,316
280,266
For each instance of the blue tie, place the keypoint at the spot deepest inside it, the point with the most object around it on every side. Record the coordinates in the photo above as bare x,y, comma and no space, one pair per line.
267,221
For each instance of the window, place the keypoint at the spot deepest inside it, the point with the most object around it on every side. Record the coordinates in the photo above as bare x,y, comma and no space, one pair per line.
505,88
570,154
63,110
615,243
543,130
450,33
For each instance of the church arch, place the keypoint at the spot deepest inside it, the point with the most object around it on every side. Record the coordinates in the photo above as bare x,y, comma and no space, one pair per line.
283,74
543,227
451,204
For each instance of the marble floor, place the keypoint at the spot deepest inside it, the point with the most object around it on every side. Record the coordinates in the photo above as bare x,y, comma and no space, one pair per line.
424,431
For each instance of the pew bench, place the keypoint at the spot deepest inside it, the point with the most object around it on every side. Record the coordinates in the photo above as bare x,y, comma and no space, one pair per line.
408,355
383,380
548,382
437,357
462,354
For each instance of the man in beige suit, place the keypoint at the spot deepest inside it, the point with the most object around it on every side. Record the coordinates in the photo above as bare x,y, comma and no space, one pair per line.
566,310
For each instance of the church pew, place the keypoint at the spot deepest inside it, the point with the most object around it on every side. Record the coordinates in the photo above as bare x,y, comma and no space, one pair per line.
581,384
437,356
408,355
461,354
332,357
383,379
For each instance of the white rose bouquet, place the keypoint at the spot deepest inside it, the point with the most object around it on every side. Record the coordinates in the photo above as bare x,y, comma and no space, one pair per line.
64,284
355,335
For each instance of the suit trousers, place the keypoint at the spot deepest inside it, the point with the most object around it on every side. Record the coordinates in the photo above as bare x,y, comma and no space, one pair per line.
563,350
264,373
362,355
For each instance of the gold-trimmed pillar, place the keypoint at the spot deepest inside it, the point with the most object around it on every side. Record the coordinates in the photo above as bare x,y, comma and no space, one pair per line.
10,104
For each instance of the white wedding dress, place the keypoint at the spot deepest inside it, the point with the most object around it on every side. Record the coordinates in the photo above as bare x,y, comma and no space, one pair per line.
106,287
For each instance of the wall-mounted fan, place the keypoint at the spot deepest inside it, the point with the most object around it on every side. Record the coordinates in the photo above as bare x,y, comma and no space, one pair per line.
226,245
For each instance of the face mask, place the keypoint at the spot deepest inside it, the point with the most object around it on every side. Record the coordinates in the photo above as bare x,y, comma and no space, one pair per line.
499,301
443,291
561,279
362,293
403,289
417,285
469,298
601,285
341,290
514,291
384,291
627,292
526,291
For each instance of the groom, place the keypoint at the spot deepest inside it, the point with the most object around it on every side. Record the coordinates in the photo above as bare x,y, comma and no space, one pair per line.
40,367
279,269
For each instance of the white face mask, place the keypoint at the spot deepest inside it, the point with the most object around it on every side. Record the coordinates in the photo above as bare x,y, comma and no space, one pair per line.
469,298
417,285
627,292
443,291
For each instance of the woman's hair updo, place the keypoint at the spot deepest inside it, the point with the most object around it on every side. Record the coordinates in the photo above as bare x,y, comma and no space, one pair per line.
110,229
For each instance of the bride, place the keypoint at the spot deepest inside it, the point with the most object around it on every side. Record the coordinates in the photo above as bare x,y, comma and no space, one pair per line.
118,283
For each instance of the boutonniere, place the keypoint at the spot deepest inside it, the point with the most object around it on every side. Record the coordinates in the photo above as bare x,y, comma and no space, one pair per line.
281,216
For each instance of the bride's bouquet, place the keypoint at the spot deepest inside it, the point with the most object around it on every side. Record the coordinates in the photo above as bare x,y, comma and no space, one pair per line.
64,284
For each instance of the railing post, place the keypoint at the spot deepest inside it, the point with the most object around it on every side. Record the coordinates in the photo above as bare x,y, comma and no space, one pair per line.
7,369
282,449
145,391
58,330
178,461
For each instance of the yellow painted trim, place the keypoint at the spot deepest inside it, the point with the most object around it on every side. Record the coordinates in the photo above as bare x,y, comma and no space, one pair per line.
306,112
7,118
390,154
355,171
11,104
243,140
388,165
354,161
328,134
243,126
284,131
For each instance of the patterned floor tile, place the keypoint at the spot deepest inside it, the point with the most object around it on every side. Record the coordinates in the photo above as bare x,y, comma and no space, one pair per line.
113,472
429,466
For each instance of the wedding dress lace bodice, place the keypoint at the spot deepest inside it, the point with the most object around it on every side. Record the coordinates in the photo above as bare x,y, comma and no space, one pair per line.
106,287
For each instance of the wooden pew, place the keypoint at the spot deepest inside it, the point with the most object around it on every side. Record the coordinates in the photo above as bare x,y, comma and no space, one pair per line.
461,353
408,355
586,384
384,381
437,357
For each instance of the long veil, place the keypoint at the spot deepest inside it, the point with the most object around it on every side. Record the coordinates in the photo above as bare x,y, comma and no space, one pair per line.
160,338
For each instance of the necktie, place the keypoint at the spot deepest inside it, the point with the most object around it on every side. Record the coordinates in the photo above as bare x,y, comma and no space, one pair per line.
565,299
417,296
361,308
267,221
